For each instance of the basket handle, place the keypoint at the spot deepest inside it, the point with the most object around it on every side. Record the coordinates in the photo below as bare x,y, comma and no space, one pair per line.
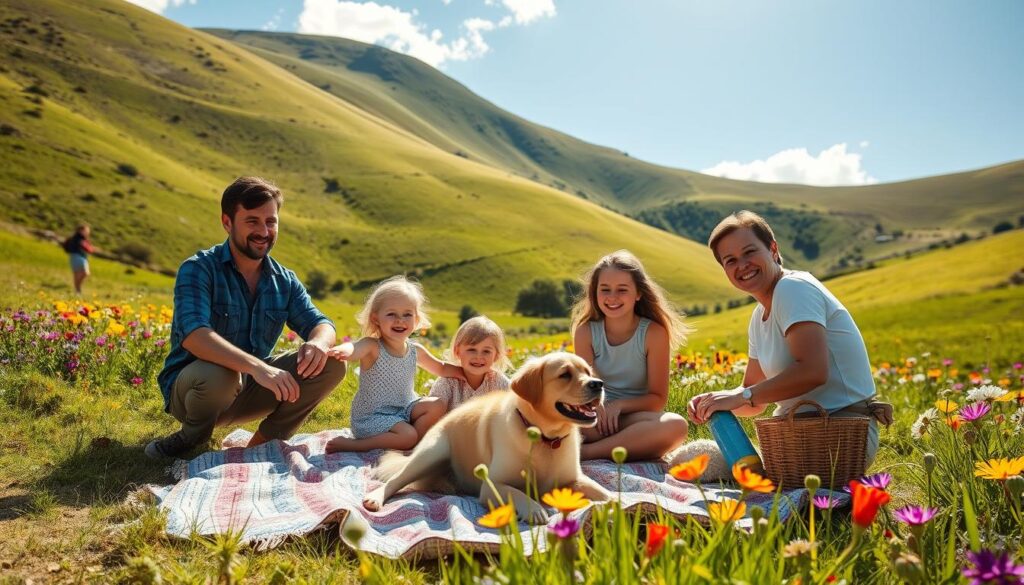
792,411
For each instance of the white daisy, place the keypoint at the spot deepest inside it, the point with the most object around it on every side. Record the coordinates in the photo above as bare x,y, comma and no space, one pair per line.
920,426
988,393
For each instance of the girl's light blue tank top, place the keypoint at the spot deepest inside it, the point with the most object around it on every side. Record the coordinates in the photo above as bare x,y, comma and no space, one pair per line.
623,367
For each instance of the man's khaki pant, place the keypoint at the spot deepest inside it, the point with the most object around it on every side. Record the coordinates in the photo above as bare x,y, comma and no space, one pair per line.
207,395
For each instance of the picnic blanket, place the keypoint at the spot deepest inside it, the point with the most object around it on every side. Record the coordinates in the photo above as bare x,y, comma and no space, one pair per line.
287,489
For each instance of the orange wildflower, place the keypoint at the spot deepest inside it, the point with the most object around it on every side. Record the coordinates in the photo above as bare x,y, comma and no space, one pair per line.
866,501
656,535
692,469
751,481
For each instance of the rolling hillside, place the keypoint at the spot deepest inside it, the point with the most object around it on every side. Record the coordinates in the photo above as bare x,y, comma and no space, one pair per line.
116,116
822,225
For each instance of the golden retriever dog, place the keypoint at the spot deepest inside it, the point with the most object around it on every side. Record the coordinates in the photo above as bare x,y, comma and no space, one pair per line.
556,393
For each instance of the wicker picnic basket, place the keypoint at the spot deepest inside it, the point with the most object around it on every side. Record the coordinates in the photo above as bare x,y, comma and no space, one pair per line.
794,446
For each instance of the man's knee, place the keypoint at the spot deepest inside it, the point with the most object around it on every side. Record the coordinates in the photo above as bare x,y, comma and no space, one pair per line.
322,384
208,385
334,371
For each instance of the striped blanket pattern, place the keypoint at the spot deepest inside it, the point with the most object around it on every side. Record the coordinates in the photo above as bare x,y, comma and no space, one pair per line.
289,489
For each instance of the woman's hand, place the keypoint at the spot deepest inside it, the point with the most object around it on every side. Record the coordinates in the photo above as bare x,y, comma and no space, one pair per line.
608,418
702,406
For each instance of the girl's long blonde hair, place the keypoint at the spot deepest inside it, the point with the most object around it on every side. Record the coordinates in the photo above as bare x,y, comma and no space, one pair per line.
396,286
477,330
653,303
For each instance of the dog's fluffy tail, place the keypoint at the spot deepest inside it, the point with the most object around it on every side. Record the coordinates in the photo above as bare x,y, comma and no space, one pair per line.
389,465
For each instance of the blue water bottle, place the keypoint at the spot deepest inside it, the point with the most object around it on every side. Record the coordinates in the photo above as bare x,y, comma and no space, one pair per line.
734,442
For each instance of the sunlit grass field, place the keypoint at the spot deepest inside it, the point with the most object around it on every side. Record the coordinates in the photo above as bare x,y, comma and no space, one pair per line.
71,447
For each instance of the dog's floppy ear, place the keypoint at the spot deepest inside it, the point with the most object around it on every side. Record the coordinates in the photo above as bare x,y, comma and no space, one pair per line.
528,382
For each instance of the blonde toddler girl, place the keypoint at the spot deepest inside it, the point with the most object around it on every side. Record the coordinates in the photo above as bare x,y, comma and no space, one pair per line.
386,411
479,347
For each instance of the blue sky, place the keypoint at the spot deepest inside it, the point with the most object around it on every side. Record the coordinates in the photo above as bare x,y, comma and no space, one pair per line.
795,90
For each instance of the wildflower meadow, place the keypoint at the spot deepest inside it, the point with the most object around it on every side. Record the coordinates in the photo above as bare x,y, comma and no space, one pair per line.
941,504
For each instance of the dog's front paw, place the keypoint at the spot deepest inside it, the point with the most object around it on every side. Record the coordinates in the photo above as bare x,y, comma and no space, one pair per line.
374,500
534,514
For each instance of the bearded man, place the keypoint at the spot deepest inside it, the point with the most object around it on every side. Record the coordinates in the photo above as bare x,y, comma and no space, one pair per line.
231,303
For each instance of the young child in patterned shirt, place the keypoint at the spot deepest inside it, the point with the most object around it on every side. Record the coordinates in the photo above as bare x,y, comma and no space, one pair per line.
387,413
479,347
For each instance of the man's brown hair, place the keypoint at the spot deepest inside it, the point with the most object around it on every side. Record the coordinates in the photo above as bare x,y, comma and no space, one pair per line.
250,193
742,219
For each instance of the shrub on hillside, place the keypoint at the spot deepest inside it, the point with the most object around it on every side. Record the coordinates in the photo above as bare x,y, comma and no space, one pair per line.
316,284
543,298
466,313
1003,226
128,170
135,251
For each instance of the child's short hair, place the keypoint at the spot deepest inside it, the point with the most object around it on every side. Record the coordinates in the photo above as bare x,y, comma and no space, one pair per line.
480,329
396,286
653,303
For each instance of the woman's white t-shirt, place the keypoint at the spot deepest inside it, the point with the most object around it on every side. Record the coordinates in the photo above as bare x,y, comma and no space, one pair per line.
800,297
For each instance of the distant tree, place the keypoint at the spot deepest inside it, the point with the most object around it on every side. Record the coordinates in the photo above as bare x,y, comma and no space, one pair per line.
316,284
127,170
1020,221
1003,226
466,313
338,286
541,299
573,291
718,307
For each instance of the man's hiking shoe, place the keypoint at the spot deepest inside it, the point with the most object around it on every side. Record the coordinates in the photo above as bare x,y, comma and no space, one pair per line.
168,447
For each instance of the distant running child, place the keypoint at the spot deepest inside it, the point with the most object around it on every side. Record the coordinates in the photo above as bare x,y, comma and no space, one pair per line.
386,411
479,347
625,328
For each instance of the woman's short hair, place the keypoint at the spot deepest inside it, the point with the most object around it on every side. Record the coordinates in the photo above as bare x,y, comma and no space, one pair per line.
742,219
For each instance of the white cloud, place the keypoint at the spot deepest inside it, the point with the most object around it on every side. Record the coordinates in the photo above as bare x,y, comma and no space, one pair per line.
864,144
832,166
159,6
393,28
274,22
527,11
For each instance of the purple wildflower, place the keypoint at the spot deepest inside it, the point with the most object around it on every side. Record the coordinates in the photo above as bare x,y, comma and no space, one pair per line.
878,481
136,381
564,528
974,411
958,386
101,340
915,515
947,362
161,342
992,568
824,502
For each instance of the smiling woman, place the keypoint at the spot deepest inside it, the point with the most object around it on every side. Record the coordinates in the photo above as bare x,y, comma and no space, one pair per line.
803,343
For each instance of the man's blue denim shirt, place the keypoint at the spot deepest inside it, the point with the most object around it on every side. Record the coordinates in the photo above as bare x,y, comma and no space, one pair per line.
209,291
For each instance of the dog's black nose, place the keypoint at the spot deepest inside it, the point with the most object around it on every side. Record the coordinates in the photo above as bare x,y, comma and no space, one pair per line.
595,384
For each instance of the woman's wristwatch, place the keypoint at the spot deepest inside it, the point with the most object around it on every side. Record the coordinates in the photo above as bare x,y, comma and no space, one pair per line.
748,396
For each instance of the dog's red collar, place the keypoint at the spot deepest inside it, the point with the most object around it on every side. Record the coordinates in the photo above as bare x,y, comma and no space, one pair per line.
553,443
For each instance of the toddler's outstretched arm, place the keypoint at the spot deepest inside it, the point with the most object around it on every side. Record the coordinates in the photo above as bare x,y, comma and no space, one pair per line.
350,352
428,362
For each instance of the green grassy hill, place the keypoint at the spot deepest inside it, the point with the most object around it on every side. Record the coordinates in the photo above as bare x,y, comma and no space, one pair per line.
121,118
821,225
